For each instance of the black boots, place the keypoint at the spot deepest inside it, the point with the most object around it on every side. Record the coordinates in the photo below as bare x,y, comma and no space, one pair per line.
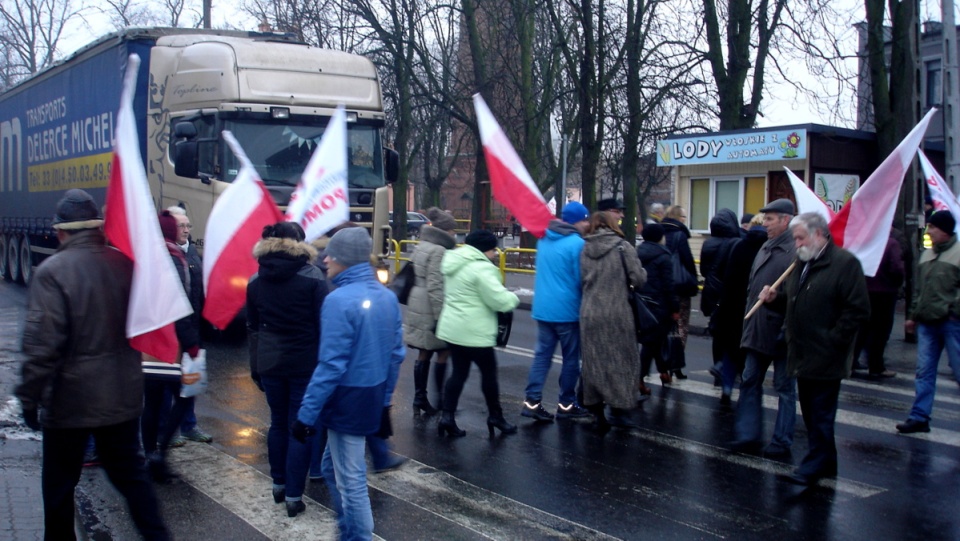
421,371
439,380
600,422
496,420
448,424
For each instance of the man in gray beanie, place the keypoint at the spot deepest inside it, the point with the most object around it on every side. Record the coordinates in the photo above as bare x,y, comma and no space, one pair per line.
361,349
76,323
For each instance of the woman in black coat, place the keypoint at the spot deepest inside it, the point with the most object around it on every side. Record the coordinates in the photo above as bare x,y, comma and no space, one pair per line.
655,258
676,239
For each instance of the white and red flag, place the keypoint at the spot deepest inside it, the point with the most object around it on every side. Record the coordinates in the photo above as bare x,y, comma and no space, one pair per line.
236,223
512,185
807,199
157,298
863,225
321,200
943,198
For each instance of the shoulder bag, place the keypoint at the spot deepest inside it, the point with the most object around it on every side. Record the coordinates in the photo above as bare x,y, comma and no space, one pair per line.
644,321
684,283
403,282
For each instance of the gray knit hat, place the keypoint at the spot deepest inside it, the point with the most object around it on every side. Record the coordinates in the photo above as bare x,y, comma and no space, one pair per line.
350,246
77,210
441,219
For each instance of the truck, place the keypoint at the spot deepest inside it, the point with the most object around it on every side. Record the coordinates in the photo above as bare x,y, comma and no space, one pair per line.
275,94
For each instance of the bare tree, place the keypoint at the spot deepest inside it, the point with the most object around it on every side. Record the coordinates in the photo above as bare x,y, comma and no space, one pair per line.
30,30
125,13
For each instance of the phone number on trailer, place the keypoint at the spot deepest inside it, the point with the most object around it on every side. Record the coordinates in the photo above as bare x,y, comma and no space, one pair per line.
85,172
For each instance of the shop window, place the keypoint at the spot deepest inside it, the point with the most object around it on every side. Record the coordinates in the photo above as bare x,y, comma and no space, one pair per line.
699,212
707,196
934,79
754,195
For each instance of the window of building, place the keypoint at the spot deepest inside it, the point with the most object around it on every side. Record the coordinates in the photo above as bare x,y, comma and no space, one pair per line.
934,83
708,195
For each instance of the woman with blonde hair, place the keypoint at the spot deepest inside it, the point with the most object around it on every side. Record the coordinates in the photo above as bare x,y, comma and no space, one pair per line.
611,366
676,235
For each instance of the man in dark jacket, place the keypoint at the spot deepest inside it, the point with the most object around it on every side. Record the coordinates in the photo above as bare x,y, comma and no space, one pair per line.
714,259
826,303
80,376
935,317
884,289
763,343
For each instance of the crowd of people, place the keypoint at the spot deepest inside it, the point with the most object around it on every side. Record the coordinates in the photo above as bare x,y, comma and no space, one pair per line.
326,341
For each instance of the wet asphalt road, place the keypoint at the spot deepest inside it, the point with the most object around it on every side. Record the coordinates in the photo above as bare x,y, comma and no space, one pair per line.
670,479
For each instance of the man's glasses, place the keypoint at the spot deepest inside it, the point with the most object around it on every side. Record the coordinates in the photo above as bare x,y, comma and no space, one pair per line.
185,226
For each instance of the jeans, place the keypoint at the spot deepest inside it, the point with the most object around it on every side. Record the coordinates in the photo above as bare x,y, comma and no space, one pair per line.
931,340
548,334
818,403
748,421
345,472
289,459
119,451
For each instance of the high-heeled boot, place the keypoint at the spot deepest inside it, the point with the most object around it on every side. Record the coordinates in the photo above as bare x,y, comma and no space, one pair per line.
439,380
496,420
421,372
448,424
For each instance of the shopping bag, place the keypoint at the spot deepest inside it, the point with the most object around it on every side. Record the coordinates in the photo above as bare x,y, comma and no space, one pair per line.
674,356
193,380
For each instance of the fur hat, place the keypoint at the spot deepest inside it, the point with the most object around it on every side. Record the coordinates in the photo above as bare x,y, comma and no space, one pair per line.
441,219
350,246
482,240
574,212
168,226
77,210
943,220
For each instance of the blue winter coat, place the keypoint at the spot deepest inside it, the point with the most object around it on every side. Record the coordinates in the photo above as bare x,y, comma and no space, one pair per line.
557,282
361,349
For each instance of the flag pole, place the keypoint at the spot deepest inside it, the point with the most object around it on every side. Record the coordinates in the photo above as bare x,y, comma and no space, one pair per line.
775,285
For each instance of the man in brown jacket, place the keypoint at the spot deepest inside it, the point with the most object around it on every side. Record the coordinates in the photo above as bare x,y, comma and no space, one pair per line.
80,376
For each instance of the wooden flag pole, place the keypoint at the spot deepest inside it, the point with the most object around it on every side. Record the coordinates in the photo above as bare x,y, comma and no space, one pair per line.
774,286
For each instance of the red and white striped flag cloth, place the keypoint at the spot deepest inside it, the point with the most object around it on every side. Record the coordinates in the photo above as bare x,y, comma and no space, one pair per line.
512,185
863,225
157,298
943,198
236,223
807,199
321,200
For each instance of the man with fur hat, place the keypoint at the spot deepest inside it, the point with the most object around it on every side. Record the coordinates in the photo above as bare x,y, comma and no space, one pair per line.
556,309
361,349
80,376
935,316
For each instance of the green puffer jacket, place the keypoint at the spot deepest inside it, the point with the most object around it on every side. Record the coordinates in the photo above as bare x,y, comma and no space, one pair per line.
473,295
938,295
824,315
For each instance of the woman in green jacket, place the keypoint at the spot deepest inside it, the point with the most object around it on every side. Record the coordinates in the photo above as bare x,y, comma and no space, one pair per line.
473,294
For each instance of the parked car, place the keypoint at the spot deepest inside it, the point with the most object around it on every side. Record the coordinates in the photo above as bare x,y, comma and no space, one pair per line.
415,221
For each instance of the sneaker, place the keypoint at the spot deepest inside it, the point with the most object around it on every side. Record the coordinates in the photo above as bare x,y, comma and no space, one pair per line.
197,435
177,441
912,425
535,411
571,411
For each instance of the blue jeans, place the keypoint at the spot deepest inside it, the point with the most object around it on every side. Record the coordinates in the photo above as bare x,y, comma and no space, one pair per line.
380,453
345,472
748,421
289,459
931,340
548,334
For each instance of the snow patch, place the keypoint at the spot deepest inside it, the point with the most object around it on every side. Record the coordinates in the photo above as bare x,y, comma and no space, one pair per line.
11,422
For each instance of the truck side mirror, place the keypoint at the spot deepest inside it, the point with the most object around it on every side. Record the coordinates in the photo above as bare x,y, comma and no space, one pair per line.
187,164
391,165
185,130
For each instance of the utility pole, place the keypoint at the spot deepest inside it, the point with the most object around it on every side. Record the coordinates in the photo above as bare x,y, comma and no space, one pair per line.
951,99
206,13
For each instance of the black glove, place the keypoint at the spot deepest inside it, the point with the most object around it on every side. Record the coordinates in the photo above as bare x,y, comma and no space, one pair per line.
301,431
31,419
256,379
386,427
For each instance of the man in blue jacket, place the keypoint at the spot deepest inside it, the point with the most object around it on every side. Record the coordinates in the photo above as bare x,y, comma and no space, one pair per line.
361,349
556,308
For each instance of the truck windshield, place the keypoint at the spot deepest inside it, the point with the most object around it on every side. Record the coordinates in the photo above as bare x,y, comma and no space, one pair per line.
280,151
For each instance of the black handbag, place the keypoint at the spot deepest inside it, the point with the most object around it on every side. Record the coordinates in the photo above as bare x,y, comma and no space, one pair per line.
645,323
504,326
684,283
674,355
403,282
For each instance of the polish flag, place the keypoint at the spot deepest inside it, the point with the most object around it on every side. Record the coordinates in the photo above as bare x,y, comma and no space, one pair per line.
863,225
157,298
321,200
236,223
512,185
943,198
807,199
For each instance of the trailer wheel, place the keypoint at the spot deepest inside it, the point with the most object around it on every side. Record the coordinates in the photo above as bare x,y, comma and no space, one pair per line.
26,260
4,257
13,257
